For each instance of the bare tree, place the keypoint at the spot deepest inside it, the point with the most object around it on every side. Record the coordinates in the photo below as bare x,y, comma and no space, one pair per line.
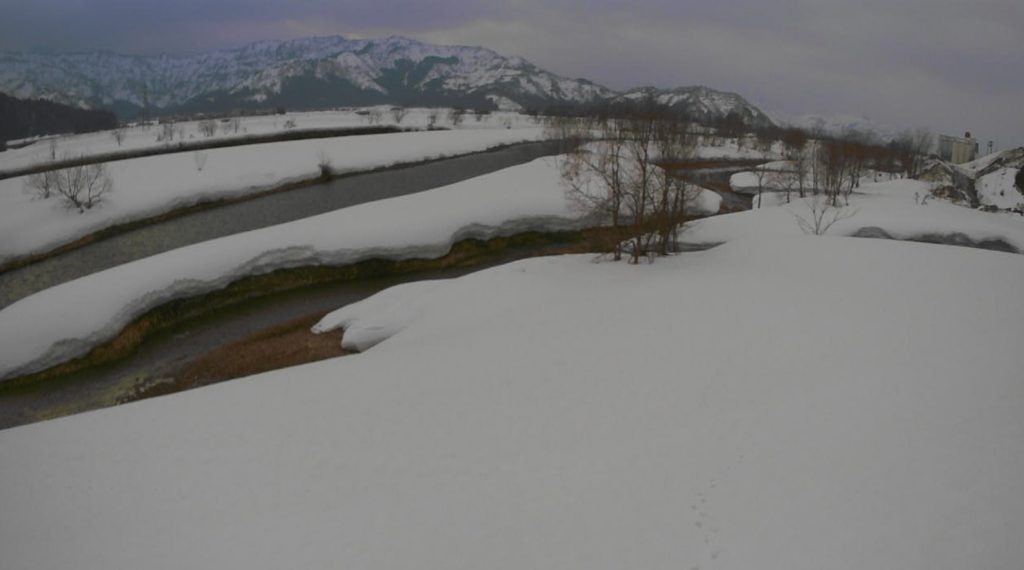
842,162
766,139
118,135
432,120
455,116
200,159
823,214
622,178
166,134
640,131
595,181
235,124
374,116
398,114
913,147
53,149
762,174
785,180
208,127
674,145
795,141
570,132
324,164
79,187
290,124
41,185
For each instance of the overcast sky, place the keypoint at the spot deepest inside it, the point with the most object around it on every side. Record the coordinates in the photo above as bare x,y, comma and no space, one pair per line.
951,65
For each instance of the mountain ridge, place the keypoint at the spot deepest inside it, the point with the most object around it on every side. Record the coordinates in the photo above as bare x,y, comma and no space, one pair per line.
326,71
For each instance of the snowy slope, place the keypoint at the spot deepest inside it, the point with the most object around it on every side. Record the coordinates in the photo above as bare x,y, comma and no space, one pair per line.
292,73
1010,158
323,72
997,188
525,417
701,103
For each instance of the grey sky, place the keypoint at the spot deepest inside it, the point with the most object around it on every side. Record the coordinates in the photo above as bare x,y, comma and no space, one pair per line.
947,64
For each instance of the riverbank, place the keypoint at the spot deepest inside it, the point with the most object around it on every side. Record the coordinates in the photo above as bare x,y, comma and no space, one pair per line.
198,341
219,217
192,146
146,187
486,205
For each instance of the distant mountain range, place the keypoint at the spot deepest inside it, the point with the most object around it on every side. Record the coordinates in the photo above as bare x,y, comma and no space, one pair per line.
838,125
322,72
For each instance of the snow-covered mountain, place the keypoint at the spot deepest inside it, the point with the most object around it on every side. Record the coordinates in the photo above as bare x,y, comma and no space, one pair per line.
838,125
303,73
324,72
701,103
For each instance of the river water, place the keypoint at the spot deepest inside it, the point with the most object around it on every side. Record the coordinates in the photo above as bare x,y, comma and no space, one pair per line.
258,213
163,355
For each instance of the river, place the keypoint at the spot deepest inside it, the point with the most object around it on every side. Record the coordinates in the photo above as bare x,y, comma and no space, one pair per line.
266,210
164,356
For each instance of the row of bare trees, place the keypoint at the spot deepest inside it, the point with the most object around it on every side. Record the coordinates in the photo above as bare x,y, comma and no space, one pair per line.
835,165
618,169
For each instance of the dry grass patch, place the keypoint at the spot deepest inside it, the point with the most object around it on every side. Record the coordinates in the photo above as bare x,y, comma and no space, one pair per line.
280,346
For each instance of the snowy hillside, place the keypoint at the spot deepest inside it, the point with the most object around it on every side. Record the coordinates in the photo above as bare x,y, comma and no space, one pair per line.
701,103
997,189
316,73
302,73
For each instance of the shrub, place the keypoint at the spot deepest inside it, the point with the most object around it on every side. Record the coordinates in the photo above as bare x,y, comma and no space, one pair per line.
324,164
79,187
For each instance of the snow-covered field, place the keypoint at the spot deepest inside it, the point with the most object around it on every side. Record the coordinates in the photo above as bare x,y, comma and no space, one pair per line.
779,402
730,149
780,174
892,206
142,137
148,186
68,319
782,401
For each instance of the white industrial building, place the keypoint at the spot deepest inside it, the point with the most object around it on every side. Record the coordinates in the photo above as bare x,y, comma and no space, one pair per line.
958,150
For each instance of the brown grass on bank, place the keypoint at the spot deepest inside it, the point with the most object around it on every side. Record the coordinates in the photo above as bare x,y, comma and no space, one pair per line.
287,344
280,346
